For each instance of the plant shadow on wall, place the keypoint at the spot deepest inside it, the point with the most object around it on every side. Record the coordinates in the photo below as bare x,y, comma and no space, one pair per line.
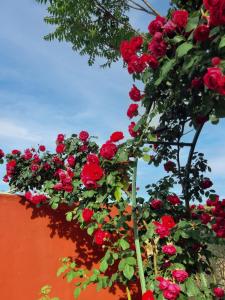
86,253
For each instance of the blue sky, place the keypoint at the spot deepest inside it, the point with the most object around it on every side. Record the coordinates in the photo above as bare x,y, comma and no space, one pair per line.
46,89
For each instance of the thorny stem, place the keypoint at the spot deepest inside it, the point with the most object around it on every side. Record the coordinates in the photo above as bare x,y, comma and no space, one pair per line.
135,226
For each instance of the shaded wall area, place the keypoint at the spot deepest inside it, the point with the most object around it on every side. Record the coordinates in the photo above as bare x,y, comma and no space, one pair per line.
32,242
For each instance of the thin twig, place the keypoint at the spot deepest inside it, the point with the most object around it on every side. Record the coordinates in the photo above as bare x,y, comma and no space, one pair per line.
139,7
151,7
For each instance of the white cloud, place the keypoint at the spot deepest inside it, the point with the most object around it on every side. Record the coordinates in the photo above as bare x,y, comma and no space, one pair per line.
10,129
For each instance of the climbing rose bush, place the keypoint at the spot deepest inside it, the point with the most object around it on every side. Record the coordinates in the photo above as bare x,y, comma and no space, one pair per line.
180,65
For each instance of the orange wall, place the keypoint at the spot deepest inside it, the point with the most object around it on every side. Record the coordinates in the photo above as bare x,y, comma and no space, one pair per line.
32,241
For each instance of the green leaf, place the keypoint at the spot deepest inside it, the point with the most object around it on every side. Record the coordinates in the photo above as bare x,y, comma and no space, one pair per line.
146,158
183,49
168,65
69,216
192,24
70,275
61,270
118,193
130,261
192,289
77,292
103,266
222,42
124,244
128,271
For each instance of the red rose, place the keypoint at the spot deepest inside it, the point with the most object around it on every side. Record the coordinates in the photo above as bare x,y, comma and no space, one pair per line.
5,179
157,48
28,195
180,275
148,295
136,65
10,167
135,94
156,204
87,214
68,188
215,61
168,221
210,3
37,199
126,51
222,13
173,199
205,218
42,148
93,158
100,236
196,82
90,174
180,18
116,136
201,33
27,154
156,25
161,230
108,150
2,154
169,249
83,136
206,184
60,148
163,283
60,138
218,292
149,60
169,27
56,160
172,292
213,78
36,158
201,207
71,160
136,43
169,166
16,152
83,148
46,166
34,167
131,130
58,186
132,110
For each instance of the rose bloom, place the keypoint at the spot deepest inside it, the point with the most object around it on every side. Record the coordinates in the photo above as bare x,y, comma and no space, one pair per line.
16,152
136,43
90,174
108,150
161,230
149,60
100,236
180,18
201,33
131,130
71,160
180,275
196,83
173,199
206,183
42,148
168,221
132,110
172,292
156,204
156,25
163,283
218,292
93,158
169,28
34,167
126,50
116,136
211,3
136,65
169,166
87,214
212,78
60,138
169,249
215,61
58,186
27,154
135,94
157,48
83,136
148,295
2,154
205,218
60,148
5,179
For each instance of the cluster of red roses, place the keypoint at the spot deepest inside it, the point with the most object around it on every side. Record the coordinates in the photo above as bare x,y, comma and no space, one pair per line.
35,198
214,79
172,199
65,180
218,211
2,154
163,228
216,10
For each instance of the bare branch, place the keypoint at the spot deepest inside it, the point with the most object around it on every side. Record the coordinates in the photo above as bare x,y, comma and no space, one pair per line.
155,12
139,7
